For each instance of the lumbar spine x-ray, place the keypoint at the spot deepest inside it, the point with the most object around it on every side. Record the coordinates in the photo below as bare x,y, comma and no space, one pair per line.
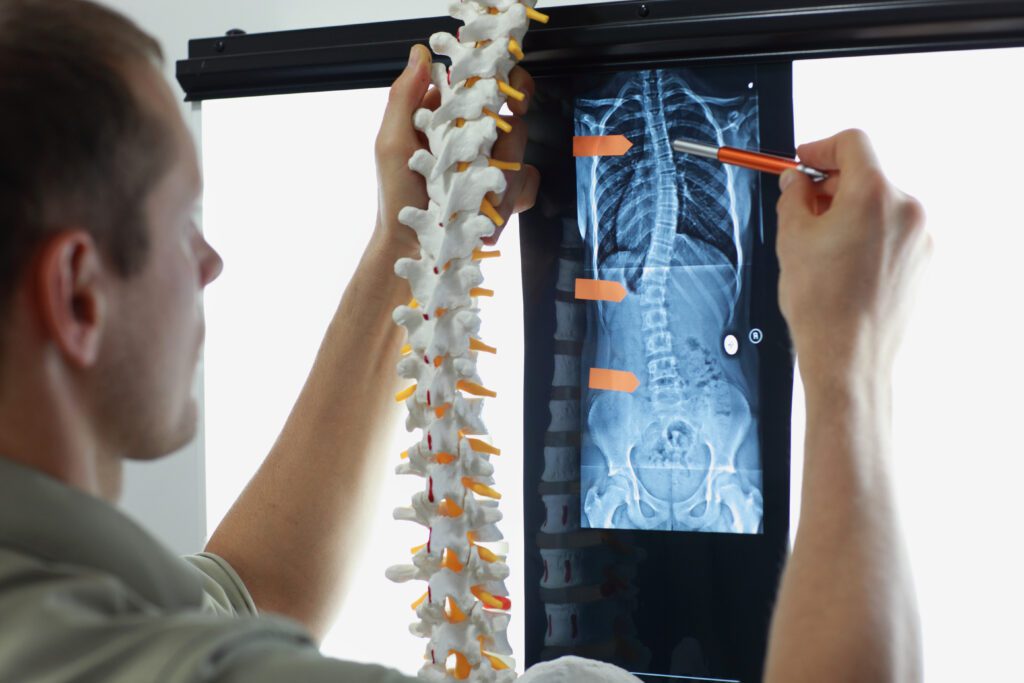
464,612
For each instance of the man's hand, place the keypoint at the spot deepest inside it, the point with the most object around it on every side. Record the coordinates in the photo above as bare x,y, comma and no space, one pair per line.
398,140
850,251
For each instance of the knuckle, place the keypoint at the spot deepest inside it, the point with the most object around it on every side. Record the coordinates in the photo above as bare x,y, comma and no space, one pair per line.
912,213
386,146
873,186
853,136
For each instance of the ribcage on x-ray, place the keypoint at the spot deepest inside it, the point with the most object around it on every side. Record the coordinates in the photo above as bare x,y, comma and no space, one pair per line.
669,194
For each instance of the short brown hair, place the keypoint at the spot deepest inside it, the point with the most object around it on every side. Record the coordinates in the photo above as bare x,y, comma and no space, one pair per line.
77,145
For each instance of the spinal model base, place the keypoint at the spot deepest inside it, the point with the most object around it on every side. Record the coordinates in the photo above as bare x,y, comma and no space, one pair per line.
464,612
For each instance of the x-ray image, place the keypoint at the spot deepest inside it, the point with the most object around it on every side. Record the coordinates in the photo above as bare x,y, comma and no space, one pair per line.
681,452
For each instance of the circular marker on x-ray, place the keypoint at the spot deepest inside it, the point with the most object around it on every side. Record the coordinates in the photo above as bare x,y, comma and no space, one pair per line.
756,336
731,345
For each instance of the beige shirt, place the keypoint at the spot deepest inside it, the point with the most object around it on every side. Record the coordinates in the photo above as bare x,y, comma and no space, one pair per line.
86,595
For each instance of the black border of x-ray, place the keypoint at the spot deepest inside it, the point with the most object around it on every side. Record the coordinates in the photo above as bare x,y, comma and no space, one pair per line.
747,565
607,36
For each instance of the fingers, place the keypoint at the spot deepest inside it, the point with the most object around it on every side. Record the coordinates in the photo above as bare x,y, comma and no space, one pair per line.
398,139
432,100
829,187
799,199
511,146
396,142
406,96
521,192
531,185
520,196
521,80
848,152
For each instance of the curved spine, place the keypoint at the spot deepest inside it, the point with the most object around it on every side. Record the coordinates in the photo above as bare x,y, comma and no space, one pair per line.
464,613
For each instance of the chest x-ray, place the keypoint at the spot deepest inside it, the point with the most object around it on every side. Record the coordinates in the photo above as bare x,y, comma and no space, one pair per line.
681,452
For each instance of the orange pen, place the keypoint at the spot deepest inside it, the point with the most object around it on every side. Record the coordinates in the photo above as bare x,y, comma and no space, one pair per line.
741,157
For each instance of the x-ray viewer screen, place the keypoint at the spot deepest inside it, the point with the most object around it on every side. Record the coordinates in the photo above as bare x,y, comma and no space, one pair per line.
681,451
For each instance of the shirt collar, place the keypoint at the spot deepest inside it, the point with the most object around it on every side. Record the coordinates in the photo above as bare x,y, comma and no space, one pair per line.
42,517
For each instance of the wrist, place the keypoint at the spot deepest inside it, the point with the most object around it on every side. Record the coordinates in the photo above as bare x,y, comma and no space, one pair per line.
385,244
831,356
850,389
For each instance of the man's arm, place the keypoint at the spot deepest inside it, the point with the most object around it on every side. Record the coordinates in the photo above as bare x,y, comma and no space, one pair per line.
850,252
295,533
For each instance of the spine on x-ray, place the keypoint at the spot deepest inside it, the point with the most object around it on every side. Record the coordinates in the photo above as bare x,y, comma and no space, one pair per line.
464,611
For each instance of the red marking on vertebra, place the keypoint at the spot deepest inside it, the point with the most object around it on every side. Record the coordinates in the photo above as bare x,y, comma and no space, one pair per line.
565,515
436,271
428,398
430,493
568,571
430,537
426,317
433,659
430,442
575,627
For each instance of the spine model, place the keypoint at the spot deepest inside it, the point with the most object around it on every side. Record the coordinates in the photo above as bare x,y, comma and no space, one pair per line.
465,610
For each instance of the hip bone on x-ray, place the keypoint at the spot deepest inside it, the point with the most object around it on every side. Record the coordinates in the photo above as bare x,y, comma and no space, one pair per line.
677,231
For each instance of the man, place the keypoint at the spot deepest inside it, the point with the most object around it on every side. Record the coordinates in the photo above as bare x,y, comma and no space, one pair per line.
101,275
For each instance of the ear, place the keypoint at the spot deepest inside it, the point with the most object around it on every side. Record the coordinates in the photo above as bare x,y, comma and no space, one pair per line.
69,296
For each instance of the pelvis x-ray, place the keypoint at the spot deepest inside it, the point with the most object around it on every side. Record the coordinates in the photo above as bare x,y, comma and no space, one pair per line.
681,452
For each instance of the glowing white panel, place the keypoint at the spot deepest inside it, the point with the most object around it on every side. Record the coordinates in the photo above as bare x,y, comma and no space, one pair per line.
946,126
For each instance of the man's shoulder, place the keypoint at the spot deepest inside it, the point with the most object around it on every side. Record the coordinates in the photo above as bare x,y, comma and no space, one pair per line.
82,620
224,592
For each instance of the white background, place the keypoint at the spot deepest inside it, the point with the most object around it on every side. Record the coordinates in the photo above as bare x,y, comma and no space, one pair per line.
946,127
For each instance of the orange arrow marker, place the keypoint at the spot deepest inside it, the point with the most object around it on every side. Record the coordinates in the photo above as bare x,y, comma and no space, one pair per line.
600,145
600,290
613,380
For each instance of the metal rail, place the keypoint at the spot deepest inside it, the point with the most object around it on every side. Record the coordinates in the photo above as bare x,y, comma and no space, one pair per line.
606,36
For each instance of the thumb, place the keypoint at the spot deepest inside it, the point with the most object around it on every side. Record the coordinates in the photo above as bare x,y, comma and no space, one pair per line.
407,94
798,201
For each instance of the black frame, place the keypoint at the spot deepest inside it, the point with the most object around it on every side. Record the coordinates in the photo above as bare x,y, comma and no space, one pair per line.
724,583
606,36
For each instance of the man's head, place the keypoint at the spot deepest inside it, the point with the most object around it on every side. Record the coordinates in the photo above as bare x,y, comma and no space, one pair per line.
101,264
